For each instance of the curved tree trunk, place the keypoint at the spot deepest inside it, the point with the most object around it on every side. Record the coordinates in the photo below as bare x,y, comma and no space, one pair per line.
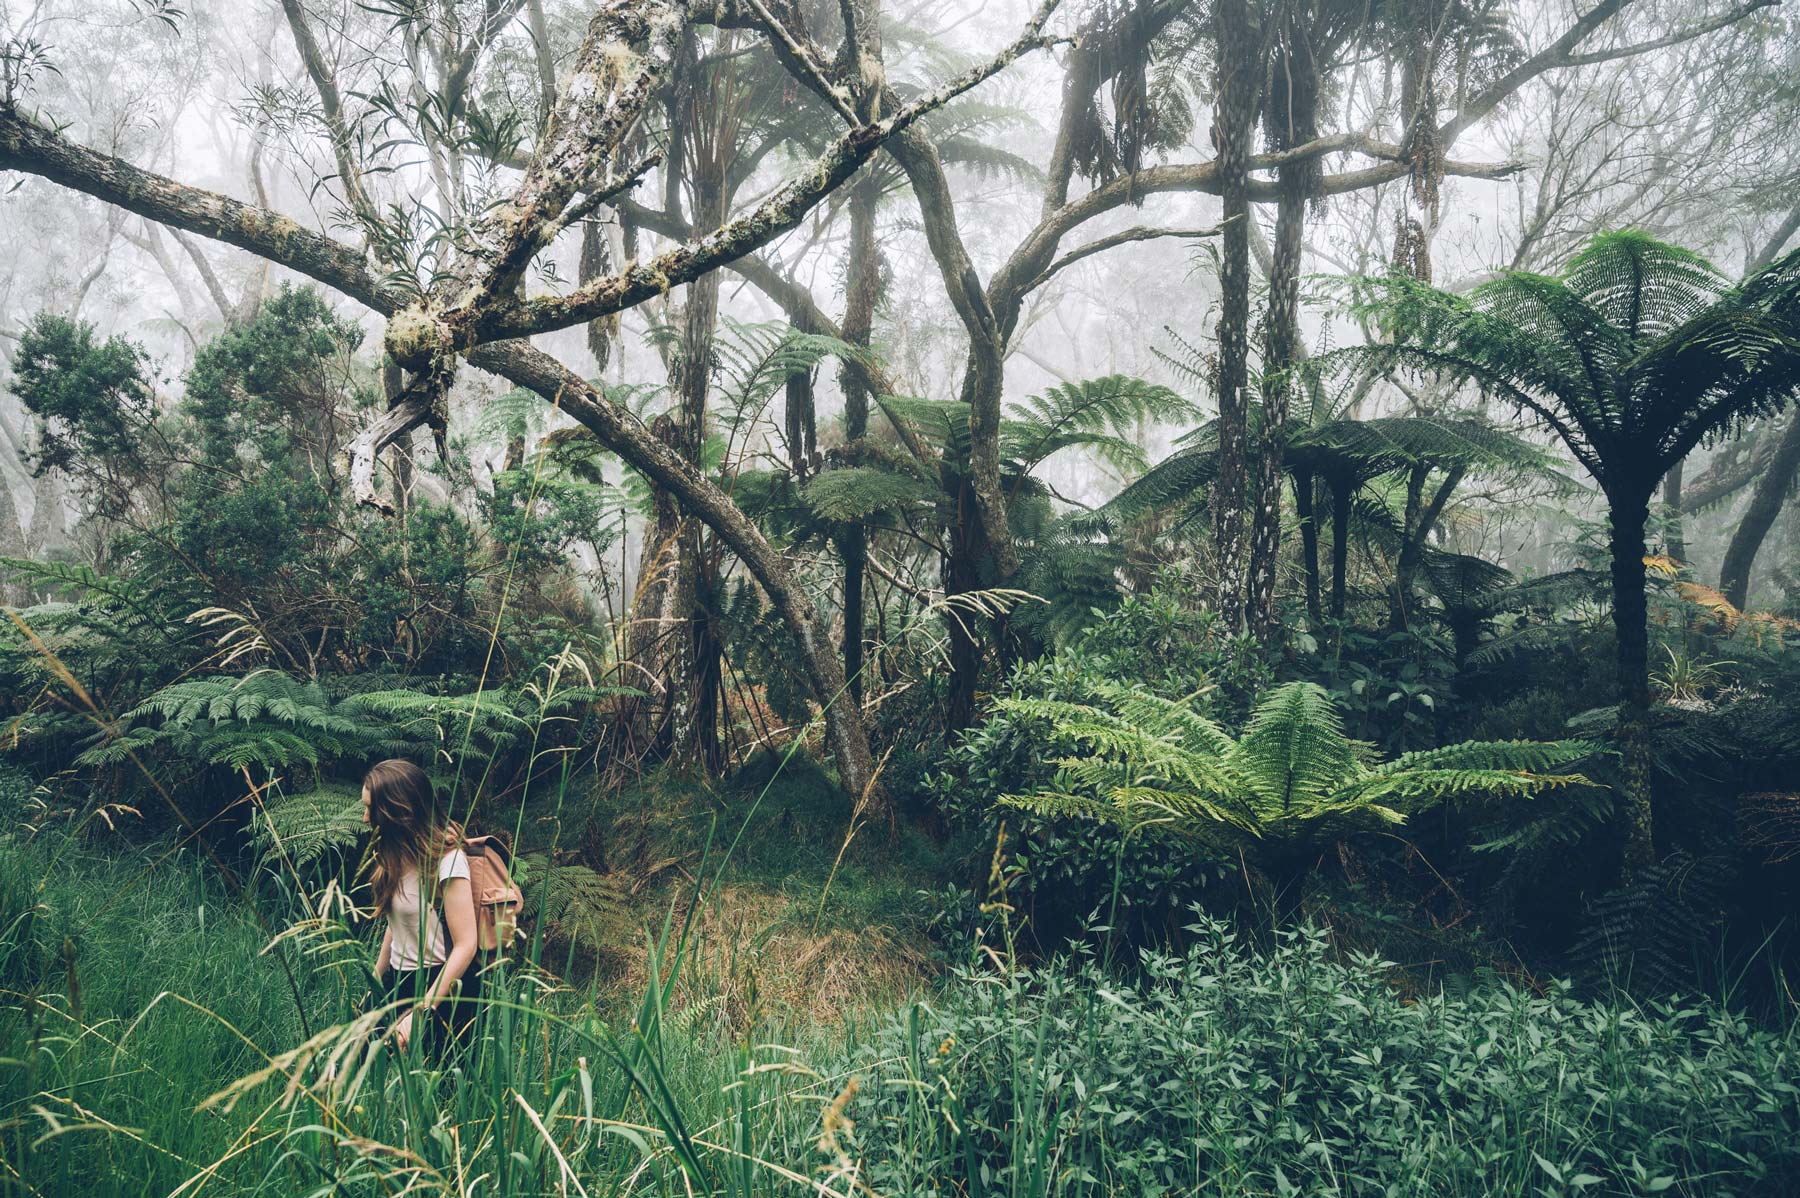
1629,517
620,431
1765,504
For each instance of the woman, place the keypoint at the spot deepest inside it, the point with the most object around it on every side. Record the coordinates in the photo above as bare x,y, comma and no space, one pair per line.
412,836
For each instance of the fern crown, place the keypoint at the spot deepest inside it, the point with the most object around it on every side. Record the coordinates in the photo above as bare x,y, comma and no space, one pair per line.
1293,776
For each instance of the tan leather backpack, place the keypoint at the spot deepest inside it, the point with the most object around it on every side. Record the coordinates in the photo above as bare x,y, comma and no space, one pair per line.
497,900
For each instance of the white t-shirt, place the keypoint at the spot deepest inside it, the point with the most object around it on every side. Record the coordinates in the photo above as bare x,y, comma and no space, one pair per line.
404,915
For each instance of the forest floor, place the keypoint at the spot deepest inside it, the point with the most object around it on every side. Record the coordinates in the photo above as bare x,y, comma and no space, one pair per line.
791,913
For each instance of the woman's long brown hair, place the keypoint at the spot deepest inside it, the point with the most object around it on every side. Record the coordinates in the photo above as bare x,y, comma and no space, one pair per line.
409,823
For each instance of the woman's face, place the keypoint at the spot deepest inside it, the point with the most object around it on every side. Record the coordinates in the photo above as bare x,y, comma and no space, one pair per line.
366,818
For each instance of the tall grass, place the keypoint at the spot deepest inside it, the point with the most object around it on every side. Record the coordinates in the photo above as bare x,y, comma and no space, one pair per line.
149,1045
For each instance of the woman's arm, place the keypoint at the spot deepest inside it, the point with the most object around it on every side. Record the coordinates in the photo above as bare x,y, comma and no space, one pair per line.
459,921
382,958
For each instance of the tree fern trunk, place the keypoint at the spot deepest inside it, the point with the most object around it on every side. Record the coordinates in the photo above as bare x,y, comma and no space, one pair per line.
1629,518
800,417
1239,83
1278,360
1421,522
1400,594
1765,505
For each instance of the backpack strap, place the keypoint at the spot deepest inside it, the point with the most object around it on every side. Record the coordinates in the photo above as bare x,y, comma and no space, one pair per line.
477,846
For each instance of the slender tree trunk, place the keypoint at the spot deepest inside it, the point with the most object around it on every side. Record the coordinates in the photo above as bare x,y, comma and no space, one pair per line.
961,576
1292,120
595,262
1341,494
1400,595
12,544
49,527
1239,82
1421,520
985,373
862,292
708,670
694,686
1675,542
1765,505
1306,508
1629,517
653,637
1278,361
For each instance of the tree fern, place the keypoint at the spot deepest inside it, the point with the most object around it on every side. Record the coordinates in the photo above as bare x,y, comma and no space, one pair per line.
1290,783
265,720
409,720
576,909
1654,932
1634,355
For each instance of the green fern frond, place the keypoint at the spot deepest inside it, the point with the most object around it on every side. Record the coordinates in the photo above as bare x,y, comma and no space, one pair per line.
1514,755
858,492
1055,805
1294,751
301,828
1293,777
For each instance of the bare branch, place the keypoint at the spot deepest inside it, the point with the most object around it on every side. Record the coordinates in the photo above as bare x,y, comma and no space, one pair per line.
802,57
1113,240
1673,39
26,145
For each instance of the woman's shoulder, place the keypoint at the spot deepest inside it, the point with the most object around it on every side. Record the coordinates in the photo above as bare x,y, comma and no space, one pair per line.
454,863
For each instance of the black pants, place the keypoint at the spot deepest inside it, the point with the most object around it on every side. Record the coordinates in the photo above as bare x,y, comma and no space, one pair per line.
450,1019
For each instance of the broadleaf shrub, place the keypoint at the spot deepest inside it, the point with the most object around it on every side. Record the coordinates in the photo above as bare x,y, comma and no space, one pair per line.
1294,1071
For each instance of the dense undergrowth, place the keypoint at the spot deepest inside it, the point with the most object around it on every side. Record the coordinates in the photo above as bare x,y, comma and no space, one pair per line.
154,1042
